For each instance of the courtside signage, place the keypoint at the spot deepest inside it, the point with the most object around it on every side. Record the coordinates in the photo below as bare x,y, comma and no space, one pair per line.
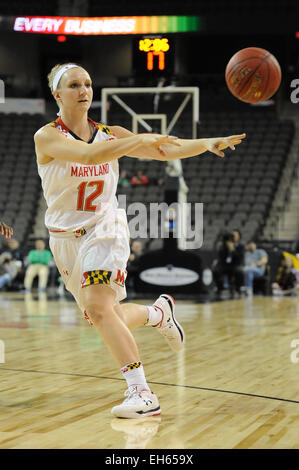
107,25
169,276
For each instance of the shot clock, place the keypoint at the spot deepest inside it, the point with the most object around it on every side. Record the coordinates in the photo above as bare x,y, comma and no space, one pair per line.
154,54
154,47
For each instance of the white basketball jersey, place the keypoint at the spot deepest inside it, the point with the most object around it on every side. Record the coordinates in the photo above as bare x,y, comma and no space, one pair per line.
78,195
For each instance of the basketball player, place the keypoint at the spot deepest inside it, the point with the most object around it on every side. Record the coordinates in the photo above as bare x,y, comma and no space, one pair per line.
5,230
89,238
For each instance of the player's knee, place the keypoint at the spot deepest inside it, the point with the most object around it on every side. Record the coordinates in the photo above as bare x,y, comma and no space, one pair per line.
98,302
98,313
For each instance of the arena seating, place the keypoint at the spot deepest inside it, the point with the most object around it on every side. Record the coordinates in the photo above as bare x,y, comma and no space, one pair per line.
189,7
236,191
156,7
19,181
20,8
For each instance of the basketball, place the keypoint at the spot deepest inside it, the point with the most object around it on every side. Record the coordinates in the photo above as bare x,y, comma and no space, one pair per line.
253,75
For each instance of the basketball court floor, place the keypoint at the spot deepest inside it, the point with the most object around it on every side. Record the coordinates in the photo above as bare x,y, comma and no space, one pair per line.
235,386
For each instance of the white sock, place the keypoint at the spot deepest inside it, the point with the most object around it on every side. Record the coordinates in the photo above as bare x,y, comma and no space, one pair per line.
134,375
154,316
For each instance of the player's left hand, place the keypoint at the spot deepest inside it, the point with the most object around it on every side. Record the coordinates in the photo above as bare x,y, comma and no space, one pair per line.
156,140
216,145
5,230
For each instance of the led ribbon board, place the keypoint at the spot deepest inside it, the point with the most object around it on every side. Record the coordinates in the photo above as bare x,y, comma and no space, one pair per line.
107,25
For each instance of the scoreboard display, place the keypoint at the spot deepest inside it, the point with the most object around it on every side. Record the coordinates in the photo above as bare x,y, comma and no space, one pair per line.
153,55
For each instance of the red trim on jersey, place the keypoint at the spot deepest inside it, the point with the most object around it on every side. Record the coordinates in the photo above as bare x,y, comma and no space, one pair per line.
57,231
61,123
97,125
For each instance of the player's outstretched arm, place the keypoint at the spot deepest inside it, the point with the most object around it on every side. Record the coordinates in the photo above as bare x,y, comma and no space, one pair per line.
214,145
184,148
52,144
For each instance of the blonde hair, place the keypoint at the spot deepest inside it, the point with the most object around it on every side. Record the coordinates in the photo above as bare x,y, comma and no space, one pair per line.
53,72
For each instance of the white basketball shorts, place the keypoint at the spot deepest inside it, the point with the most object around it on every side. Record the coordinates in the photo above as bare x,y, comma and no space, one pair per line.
95,255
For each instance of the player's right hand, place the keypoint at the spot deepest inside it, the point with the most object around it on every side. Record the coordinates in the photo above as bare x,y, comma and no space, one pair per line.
5,230
216,145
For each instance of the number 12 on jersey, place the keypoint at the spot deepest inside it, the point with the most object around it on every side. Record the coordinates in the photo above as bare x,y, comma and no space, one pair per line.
85,203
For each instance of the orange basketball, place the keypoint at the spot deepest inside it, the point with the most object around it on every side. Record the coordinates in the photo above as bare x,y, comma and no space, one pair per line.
253,75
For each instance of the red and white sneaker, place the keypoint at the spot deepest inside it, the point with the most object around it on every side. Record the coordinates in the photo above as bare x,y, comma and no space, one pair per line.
169,327
138,404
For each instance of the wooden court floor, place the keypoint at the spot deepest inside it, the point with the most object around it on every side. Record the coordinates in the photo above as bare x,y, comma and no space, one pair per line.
235,386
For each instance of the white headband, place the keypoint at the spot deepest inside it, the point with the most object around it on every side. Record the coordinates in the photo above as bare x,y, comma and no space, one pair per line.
59,74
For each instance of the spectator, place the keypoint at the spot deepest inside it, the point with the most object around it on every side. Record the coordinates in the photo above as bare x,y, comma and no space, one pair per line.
139,179
239,247
124,180
136,252
156,181
14,249
13,246
133,263
9,268
239,251
228,266
170,232
286,279
255,265
39,260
